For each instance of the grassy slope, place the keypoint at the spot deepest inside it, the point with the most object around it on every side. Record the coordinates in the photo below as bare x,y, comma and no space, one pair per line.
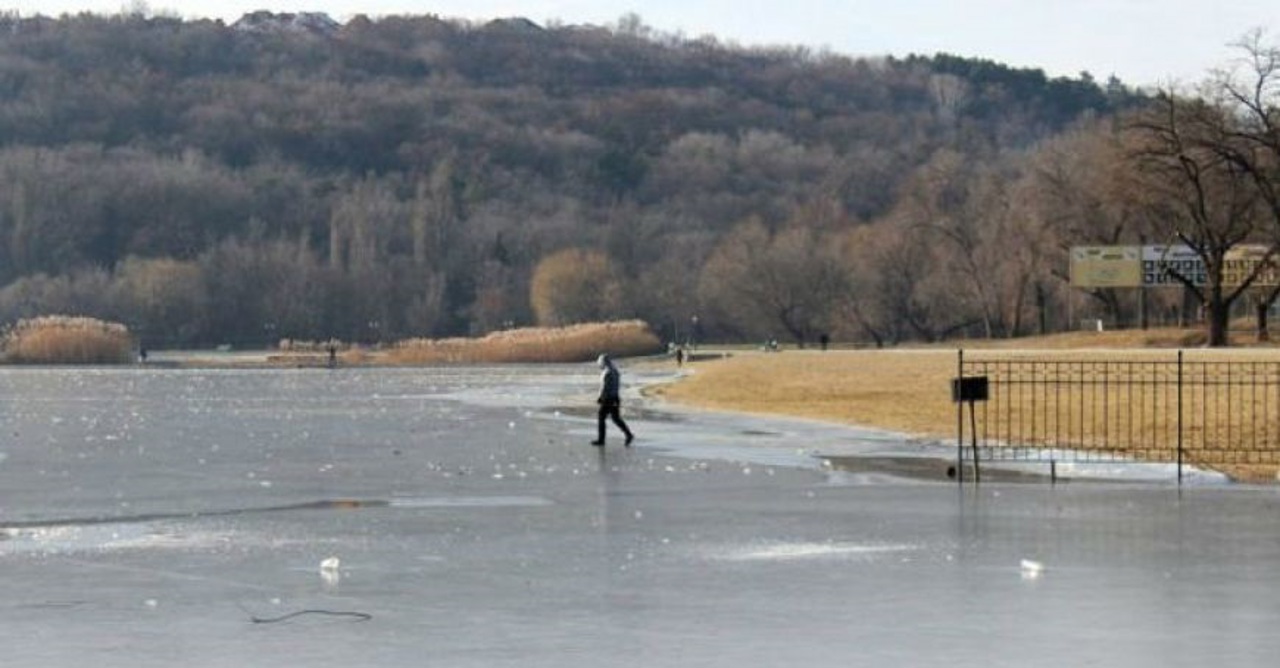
905,390
899,390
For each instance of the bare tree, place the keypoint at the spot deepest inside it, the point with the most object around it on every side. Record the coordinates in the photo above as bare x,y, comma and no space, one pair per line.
167,297
896,288
1081,189
760,281
1250,94
965,209
885,268
1194,180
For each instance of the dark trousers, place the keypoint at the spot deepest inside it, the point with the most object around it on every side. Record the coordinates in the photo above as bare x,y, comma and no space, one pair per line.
610,409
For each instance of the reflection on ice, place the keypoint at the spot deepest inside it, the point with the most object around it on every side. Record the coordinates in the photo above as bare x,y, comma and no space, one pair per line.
812,550
331,571
152,531
479,544
76,539
471,502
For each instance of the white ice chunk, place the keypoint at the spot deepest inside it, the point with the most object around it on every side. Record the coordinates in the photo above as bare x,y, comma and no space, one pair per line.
329,571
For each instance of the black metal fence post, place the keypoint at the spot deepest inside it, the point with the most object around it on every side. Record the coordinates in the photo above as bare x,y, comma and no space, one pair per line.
968,390
1180,426
960,422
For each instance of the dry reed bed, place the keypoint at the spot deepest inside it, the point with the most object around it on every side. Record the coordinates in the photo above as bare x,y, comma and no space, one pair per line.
67,340
574,343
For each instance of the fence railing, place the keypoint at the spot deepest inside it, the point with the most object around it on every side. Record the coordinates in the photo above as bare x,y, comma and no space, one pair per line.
1220,414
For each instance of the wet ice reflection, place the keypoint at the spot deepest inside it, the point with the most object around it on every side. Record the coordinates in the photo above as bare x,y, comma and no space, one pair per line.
811,550
66,540
474,526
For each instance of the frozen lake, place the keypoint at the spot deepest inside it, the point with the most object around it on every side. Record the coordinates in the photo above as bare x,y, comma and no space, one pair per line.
150,516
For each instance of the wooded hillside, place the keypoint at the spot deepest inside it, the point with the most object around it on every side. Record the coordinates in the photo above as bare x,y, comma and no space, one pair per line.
410,176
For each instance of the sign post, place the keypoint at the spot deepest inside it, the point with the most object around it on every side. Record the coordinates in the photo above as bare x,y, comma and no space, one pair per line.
968,390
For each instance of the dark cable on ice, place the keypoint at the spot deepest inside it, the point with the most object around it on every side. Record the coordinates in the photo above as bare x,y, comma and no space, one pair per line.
356,616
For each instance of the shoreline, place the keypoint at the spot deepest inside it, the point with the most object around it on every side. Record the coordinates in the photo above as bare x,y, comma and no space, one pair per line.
905,392
846,387
900,397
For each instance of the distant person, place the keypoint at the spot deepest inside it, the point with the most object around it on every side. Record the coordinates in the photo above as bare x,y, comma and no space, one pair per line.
333,356
824,341
610,401
679,356
142,355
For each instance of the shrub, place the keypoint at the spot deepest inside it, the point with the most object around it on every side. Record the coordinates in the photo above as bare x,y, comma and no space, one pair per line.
574,285
67,340
575,343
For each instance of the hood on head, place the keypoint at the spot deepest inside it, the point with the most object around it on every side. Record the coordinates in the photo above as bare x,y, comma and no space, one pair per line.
604,361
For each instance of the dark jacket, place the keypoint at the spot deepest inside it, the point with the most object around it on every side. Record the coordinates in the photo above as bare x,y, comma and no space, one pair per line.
610,380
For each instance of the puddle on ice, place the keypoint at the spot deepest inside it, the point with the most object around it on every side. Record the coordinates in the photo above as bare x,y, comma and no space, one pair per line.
810,550
144,532
470,502
73,539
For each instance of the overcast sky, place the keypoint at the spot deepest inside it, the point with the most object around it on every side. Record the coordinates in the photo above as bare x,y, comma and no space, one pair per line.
1143,42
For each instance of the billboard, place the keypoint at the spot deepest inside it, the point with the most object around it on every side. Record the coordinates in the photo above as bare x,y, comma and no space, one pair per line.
1153,266
1158,261
1241,261
1106,267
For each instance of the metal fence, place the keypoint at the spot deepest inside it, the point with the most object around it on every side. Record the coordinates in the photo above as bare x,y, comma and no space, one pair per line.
1216,414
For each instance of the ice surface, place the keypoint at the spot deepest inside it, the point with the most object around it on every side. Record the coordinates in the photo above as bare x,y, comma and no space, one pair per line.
474,526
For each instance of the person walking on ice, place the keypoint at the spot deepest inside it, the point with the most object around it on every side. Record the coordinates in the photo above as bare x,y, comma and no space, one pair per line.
610,401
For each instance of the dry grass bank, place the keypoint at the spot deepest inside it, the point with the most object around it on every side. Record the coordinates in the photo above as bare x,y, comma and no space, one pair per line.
908,390
575,343
67,340
902,390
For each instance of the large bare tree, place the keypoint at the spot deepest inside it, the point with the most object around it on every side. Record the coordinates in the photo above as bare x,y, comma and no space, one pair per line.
761,282
1251,94
1080,187
1209,163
